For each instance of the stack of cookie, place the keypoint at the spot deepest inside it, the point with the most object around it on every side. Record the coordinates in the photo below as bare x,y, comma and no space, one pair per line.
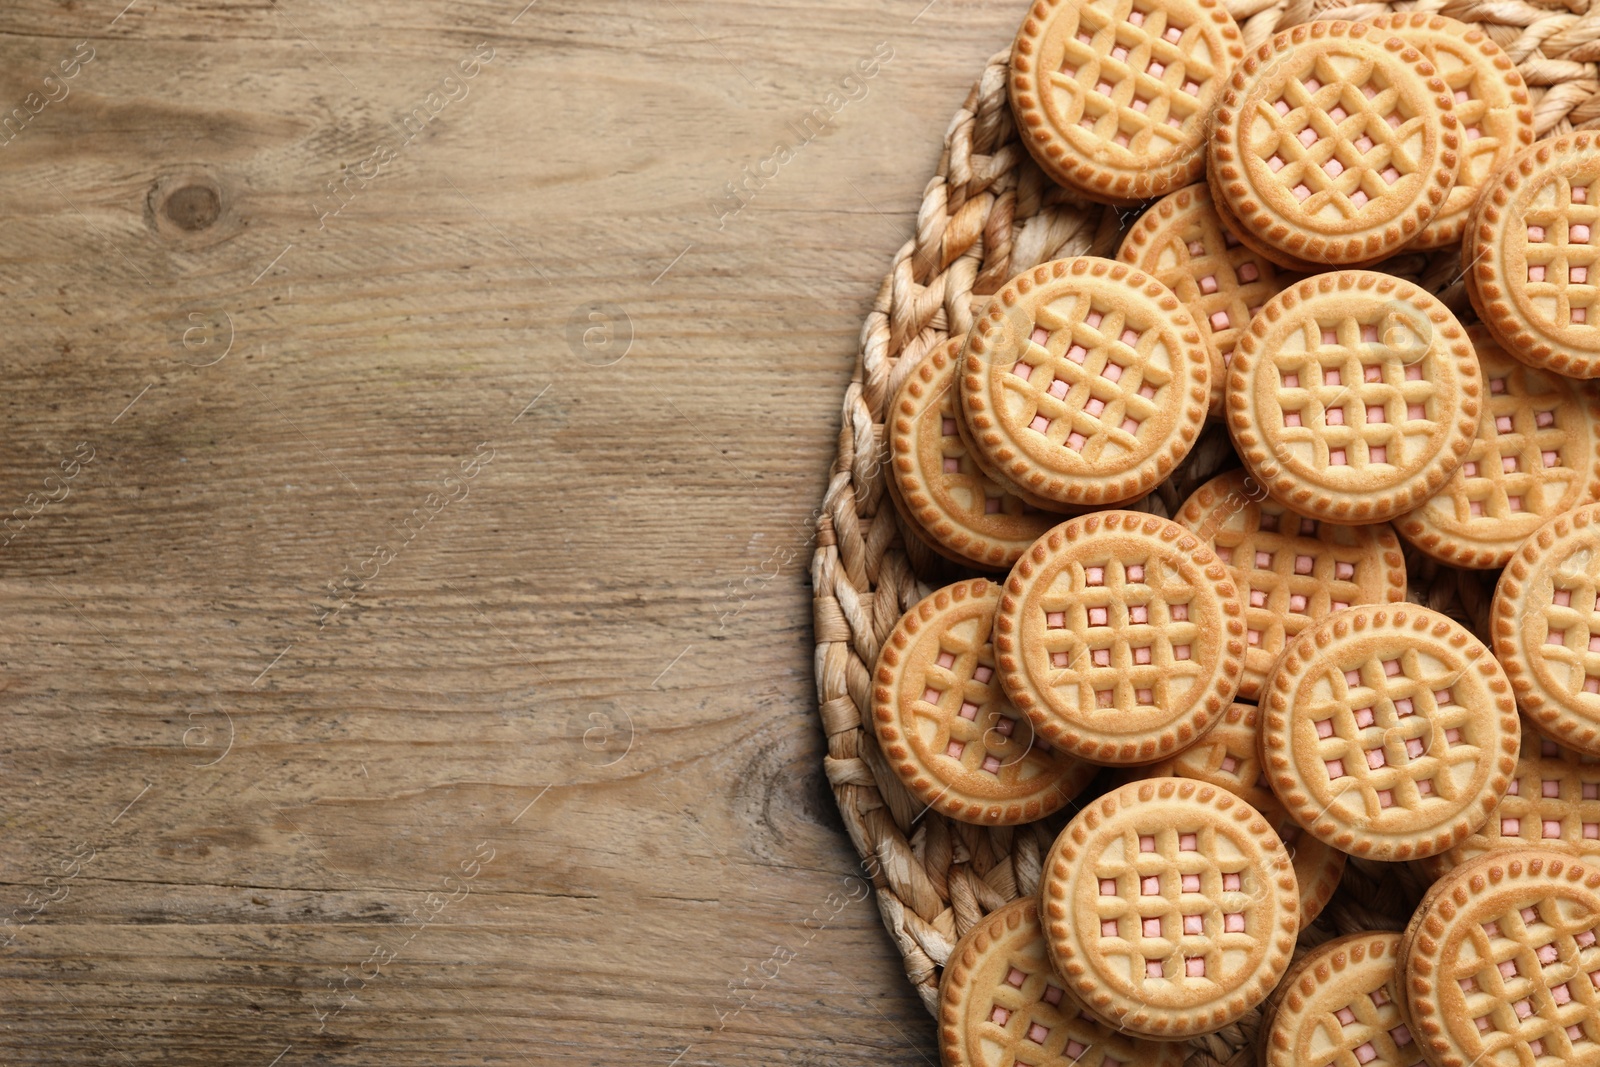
1215,710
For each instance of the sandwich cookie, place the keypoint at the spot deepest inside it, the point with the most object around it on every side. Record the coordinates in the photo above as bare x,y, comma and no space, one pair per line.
1354,396
946,727
1183,244
1290,570
1112,96
1121,637
962,513
1389,732
1170,908
1339,1005
1001,1005
1335,143
1084,382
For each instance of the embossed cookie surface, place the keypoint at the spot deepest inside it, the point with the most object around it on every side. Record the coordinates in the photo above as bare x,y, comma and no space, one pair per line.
961,511
1001,1004
1084,382
947,728
1290,570
1536,455
1112,96
1170,907
1228,757
1389,732
1340,1005
1354,396
1182,242
1532,251
1490,101
1120,636
1335,143
1500,962
1553,801
1545,624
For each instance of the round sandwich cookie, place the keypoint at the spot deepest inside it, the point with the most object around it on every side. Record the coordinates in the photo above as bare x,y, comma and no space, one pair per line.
1553,802
1112,96
1335,143
1354,396
1545,625
1001,1005
1084,382
1228,757
946,727
1121,637
1290,570
1532,252
1537,454
1339,1005
1389,732
1501,963
1490,101
963,514
1170,907
1183,244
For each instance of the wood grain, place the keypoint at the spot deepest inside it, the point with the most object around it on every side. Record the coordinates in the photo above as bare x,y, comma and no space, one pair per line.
538,779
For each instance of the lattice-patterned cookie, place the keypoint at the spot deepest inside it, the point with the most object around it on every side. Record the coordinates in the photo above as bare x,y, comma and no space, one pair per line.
1112,96
1228,757
1084,382
965,515
1490,102
1170,907
1501,963
1354,396
1001,1005
1334,143
1389,732
1290,570
1182,243
1536,455
1339,1007
947,728
1532,255
1545,624
1553,801
1121,637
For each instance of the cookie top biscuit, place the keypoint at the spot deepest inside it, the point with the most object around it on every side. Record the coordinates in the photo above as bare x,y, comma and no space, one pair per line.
1182,242
1290,570
1545,624
1354,396
1500,959
1536,455
1227,756
1111,96
1553,802
964,514
1084,382
1532,251
1338,1005
1490,101
1335,143
1001,1004
1389,732
1121,637
1170,907
946,727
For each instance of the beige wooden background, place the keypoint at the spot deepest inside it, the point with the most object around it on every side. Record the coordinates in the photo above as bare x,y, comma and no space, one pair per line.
405,654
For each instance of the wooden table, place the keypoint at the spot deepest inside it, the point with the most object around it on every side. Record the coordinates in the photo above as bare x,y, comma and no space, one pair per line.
412,456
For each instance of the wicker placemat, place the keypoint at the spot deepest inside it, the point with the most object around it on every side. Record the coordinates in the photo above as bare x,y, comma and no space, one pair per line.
987,215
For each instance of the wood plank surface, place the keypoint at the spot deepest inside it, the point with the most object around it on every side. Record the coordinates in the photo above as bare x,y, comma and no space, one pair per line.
411,450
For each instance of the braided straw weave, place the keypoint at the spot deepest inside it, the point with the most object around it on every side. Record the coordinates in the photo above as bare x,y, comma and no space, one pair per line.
987,215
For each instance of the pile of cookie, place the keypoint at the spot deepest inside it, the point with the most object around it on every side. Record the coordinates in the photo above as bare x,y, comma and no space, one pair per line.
1230,704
